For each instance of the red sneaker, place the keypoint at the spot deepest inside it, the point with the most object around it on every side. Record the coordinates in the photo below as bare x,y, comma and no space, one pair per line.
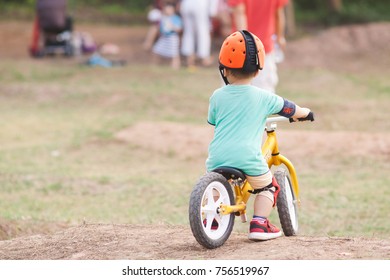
262,229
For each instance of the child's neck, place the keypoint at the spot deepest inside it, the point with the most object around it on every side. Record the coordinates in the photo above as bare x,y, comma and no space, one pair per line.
240,82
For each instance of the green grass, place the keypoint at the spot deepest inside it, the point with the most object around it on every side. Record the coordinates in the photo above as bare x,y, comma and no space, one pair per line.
307,14
357,11
60,161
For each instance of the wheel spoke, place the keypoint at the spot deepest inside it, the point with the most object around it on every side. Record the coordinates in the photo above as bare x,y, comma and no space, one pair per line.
209,220
213,228
219,220
207,208
219,201
210,205
209,196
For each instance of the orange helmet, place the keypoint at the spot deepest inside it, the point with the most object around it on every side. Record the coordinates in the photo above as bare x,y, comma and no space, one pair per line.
242,50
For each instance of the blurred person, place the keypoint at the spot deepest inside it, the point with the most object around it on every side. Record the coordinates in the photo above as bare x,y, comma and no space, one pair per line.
154,17
265,19
196,40
168,43
222,21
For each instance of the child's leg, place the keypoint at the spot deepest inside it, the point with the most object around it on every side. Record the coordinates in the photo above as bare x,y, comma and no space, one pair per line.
188,38
202,34
265,199
263,205
176,62
260,227
268,79
191,60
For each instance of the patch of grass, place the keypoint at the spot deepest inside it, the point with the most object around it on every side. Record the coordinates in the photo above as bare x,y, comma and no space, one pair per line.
357,11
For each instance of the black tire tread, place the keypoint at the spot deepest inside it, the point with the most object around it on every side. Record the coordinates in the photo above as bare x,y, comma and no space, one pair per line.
282,204
194,209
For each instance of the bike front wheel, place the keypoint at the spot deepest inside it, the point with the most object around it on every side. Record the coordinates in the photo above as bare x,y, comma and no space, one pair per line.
209,227
287,203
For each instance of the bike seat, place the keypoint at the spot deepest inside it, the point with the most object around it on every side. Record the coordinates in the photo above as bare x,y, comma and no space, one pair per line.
230,172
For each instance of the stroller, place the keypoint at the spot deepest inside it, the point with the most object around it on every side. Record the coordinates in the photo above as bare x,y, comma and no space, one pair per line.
52,29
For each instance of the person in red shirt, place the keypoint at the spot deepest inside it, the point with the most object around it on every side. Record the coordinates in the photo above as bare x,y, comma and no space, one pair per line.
264,18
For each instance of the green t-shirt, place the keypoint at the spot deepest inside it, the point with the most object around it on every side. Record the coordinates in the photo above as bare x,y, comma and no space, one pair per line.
239,113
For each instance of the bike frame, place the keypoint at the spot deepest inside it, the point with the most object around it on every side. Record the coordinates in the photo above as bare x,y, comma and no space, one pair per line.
273,157
270,150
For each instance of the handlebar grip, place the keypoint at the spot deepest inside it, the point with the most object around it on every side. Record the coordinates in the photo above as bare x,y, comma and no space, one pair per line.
309,117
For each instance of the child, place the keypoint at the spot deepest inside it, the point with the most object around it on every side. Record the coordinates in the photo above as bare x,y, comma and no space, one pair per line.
169,42
239,112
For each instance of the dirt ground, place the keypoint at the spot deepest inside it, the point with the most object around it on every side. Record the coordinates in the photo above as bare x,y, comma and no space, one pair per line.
114,241
103,241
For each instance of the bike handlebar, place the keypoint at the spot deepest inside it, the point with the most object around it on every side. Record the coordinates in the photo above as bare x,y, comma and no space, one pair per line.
276,119
309,117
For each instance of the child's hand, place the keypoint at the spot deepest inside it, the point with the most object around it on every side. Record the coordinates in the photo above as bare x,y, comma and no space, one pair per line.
302,114
305,111
309,117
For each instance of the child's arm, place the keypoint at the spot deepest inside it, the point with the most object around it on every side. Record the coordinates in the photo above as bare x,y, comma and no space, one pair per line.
300,112
177,24
239,17
292,110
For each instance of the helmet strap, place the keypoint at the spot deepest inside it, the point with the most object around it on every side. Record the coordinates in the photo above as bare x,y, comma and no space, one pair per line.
250,40
221,68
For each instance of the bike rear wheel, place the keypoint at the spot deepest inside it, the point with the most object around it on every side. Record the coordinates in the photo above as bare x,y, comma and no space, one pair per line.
209,227
287,203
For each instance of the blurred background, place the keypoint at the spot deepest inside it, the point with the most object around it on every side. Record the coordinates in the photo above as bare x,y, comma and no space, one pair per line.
315,12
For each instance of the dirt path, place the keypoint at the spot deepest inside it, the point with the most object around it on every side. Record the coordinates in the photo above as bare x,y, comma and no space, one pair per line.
94,241
164,137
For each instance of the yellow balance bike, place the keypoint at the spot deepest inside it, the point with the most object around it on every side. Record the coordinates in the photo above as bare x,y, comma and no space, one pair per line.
223,193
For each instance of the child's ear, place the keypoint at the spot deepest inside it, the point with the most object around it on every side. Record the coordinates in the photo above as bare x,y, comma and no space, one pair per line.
225,72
